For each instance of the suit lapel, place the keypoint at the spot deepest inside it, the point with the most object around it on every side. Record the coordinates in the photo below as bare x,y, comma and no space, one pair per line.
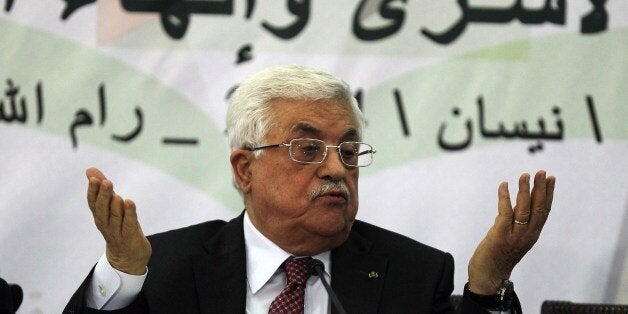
220,273
357,276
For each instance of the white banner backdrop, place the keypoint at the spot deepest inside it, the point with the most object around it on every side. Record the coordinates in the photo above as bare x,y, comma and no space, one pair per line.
458,96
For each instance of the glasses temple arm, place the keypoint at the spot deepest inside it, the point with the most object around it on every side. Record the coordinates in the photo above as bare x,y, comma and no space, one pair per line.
264,147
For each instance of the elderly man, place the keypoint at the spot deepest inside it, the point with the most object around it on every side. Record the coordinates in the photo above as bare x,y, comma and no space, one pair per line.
296,150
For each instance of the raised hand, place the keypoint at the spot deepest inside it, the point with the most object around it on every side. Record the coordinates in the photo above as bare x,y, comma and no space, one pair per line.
128,250
513,234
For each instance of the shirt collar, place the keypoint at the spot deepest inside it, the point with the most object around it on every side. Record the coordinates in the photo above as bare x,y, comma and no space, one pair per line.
263,257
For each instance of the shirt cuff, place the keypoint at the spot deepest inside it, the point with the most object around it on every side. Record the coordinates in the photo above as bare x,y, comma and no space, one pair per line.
111,289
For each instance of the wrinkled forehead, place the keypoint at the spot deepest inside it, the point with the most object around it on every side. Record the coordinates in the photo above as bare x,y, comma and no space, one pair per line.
307,129
329,118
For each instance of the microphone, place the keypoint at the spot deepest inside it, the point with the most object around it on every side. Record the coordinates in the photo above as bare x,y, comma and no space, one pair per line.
10,297
317,268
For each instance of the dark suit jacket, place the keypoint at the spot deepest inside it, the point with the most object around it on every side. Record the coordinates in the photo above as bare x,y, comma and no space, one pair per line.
202,269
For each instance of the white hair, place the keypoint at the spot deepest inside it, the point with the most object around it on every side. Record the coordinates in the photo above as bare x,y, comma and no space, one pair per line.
248,115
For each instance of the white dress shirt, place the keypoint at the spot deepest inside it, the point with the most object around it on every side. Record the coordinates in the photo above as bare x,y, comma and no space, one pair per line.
265,278
110,289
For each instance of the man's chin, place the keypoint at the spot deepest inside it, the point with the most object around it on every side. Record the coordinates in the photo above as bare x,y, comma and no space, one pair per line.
333,228
325,234
328,243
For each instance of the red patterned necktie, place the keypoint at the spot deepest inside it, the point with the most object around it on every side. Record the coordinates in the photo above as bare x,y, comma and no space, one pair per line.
291,299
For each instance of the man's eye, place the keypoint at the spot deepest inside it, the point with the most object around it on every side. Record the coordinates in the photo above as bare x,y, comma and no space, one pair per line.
348,152
308,149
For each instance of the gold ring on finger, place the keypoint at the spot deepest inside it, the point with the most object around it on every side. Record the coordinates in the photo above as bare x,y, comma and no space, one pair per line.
521,222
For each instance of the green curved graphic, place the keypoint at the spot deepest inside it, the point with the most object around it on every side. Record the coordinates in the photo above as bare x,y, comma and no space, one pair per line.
519,81
70,76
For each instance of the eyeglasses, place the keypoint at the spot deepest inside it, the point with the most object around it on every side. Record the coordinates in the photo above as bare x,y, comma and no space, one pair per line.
313,151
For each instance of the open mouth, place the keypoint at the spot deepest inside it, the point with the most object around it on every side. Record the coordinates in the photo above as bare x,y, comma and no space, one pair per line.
335,196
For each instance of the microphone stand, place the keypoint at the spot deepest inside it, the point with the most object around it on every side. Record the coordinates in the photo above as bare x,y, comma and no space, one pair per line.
317,267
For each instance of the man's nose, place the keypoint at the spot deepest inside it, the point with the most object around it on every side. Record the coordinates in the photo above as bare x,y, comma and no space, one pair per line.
332,167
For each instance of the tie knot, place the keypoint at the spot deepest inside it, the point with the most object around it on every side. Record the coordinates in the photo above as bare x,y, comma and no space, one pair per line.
296,270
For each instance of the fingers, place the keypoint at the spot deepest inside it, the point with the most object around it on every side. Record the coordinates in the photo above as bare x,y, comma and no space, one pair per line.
538,205
92,192
101,210
522,207
549,195
130,223
116,214
550,183
532,208
504,206
95,173
95,178
111,212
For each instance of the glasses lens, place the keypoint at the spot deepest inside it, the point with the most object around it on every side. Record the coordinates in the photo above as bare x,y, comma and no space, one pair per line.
356,154
307,150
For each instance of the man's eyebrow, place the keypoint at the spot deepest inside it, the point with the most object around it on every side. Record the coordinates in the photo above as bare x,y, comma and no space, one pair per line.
351,133
306,127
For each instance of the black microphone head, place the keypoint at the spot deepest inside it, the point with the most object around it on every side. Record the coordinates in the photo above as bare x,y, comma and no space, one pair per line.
17,294
10,297
314,266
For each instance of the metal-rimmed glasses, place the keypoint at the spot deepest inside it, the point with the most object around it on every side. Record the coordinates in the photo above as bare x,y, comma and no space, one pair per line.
313,151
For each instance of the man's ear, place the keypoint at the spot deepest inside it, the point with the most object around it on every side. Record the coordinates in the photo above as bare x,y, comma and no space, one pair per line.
241,165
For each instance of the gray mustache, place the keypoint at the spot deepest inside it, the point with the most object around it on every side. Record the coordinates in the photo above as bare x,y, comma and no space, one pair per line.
330,186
